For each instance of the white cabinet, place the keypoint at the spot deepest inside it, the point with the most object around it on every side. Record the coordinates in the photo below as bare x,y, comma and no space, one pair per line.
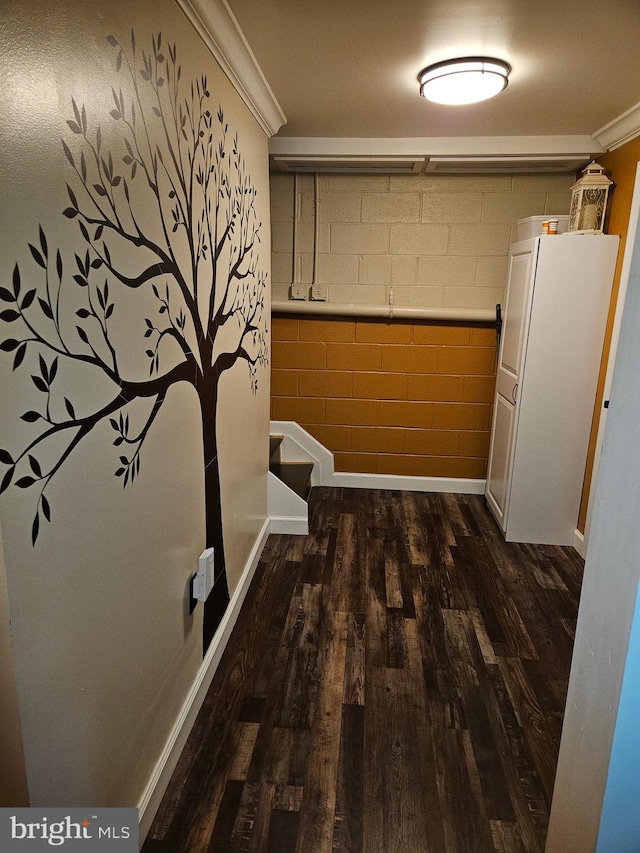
554,322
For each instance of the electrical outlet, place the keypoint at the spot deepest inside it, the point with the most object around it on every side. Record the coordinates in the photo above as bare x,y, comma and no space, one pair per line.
319,293
202,583
299,291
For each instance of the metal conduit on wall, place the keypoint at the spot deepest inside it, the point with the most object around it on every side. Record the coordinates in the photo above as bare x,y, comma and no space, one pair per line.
318,307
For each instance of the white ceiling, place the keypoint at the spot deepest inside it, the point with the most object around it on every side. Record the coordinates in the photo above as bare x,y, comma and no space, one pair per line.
348,68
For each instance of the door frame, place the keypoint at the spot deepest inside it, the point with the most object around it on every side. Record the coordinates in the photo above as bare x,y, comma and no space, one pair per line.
632,238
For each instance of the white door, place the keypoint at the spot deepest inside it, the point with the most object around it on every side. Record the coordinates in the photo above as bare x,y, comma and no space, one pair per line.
508,375
501,442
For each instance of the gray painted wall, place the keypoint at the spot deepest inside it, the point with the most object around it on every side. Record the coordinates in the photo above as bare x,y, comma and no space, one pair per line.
104,649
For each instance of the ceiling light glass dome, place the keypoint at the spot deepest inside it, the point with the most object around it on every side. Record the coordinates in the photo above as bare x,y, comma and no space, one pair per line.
464,81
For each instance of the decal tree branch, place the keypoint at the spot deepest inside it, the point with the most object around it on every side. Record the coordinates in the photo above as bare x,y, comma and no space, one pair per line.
164,204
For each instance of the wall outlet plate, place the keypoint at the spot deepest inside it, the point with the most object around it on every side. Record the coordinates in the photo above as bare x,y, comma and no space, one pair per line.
203,581
299,291
319,293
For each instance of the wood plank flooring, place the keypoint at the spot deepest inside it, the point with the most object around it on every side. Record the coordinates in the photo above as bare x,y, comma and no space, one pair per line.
395,684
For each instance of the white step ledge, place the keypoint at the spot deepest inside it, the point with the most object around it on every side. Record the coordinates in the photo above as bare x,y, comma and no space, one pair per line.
325,474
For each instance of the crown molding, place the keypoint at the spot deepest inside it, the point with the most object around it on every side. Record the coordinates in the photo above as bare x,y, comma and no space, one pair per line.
622,129
217,26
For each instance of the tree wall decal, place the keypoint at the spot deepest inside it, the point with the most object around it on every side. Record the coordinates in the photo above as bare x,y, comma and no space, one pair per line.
167,205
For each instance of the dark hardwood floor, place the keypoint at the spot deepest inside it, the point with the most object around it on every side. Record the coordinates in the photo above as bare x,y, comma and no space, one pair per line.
395,684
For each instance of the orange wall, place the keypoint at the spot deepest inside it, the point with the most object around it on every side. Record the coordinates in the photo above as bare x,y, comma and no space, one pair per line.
388,398
620,166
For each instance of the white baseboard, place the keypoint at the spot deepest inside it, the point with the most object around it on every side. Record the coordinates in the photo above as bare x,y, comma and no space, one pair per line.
579,544
157,785
288,524
456,485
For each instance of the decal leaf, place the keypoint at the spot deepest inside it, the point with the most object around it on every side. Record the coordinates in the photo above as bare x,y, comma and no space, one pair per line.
43,242
70,409
25,482
35,466
27,299
67,153
19,357
46,509
6,480
16,281
37,256
46,308
40,384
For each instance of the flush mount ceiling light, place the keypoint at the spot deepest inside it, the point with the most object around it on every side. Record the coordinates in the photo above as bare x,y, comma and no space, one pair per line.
464,81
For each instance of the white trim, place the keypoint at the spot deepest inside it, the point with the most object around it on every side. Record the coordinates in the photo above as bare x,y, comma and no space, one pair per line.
153,793
581,147
328,477
622,129
579,544
219,30
494,509
455,485
286,506
317,452
288,524
630,244
292,451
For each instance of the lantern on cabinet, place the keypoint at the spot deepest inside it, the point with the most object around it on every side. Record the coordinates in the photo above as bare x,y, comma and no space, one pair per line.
589,199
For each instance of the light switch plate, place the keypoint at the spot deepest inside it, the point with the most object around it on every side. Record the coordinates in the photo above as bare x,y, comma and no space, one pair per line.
203,581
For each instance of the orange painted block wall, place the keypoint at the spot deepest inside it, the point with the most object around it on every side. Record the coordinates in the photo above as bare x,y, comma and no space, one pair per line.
388,397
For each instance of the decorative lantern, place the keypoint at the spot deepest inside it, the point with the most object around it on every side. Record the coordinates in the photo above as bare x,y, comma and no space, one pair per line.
589,199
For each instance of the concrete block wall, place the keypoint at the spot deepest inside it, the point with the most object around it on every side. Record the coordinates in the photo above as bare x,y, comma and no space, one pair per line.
388,398
438,240
398,398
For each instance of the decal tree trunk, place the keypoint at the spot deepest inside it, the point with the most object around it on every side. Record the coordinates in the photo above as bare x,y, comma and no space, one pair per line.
216,603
